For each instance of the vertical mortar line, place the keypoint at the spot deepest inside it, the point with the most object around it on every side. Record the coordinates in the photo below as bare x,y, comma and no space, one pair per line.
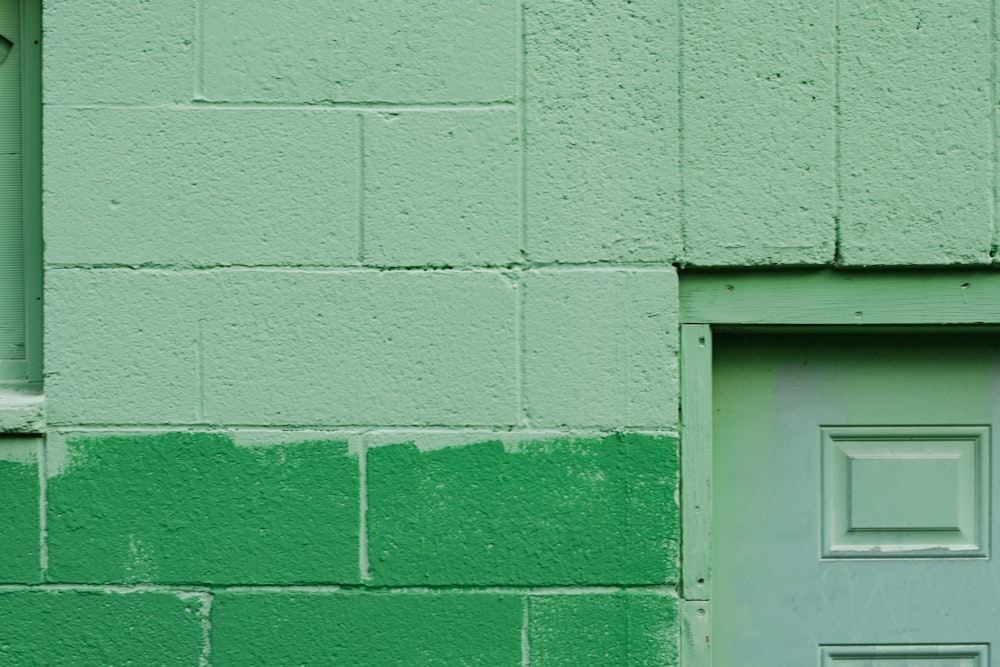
522,407
364,561
994,232
199,54
43,488
836,135
205,659
681,195
525,644
200,352
361,188
522,127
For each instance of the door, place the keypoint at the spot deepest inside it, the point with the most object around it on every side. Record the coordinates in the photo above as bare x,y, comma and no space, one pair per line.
854,481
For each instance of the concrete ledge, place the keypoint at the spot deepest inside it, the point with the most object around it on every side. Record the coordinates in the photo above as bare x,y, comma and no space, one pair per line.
22,410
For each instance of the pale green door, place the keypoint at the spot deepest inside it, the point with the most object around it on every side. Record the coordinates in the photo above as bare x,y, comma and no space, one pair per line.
854,482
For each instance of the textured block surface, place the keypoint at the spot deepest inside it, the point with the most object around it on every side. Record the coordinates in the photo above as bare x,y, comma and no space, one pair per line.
602,164
759,132
118,52
195,508
442,188
360,50
624,629
596,511
600,348
122,346
20,537
366,629
361,348
916,167
201,186
96,629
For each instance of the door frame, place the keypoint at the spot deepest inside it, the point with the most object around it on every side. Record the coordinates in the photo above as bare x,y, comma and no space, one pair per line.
820,299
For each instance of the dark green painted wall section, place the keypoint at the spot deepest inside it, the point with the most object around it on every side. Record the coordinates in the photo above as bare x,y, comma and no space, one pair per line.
284,549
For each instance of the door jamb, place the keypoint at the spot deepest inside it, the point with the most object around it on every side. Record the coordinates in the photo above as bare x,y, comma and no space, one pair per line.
815,298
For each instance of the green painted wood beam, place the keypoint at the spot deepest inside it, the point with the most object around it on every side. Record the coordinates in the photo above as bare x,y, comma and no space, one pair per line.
829,297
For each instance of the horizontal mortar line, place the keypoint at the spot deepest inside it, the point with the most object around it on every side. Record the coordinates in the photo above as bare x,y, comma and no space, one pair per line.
369,429
366,268
374,106
354,589
183,589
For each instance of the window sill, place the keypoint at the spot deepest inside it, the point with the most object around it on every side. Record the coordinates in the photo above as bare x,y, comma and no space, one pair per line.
22,410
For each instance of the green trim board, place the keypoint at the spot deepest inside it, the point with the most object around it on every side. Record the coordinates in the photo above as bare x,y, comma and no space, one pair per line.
834,297
20,194
819,300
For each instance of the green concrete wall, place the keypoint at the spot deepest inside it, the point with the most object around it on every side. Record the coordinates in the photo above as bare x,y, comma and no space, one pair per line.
361,316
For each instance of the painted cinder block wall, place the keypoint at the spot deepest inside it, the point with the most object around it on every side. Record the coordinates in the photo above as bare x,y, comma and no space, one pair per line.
361,317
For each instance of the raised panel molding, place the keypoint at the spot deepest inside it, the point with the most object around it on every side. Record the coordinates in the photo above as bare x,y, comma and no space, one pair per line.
913,491
925,655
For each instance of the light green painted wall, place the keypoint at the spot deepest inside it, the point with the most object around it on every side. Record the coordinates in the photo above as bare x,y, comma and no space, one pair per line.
361,317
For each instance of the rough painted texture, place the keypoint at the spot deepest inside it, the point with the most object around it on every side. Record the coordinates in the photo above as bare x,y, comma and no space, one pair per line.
201,186
287,348
633,629
566,511
759,132
19,511
917,173
365,630
195,508
601,114
361,348
441,188
118,52
600,348
121,347
97,629
360,50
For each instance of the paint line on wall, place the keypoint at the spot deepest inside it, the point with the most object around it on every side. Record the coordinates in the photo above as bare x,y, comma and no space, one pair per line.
205,612
995,231
429,437
200,370
836,134
319,105
43,509
522,127
525,643
199,49
361,188
681,192
165,268
364,562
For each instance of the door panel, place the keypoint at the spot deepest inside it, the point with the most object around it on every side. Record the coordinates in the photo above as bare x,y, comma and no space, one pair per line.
852,499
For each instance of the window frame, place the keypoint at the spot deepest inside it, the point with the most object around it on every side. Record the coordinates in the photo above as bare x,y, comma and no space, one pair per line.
27,373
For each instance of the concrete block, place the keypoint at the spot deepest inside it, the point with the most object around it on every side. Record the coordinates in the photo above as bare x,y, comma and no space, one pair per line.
77,628
193,508
442,188
361,347
759,132
602,167
632,629
366,629
360,50
20,532
917,174
202,186
118,52
122,346
600,348
544,513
